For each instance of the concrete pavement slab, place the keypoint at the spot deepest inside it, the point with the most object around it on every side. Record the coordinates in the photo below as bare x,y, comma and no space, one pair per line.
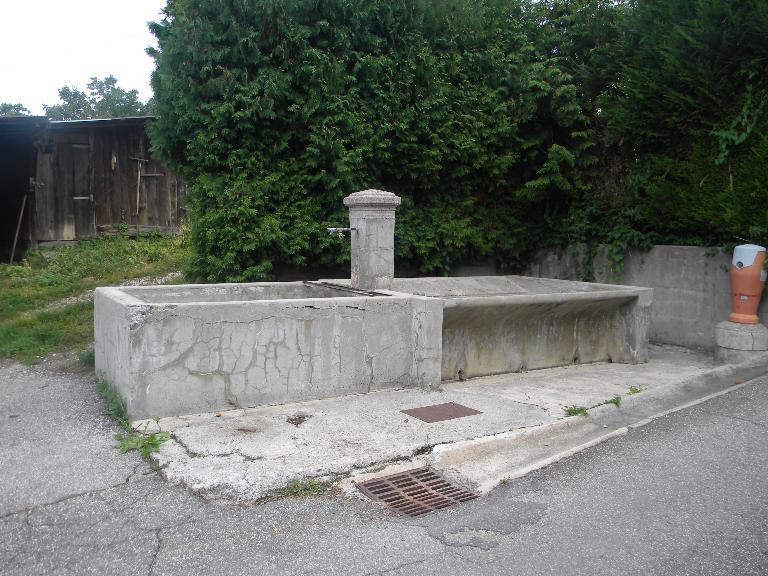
483,463
248,454
589,384
683,496
251,454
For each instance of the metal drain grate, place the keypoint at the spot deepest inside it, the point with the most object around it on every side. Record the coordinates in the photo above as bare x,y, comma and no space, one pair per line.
440,412
415,492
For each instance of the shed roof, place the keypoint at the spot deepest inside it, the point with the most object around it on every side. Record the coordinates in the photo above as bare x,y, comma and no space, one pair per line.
14,125
101,122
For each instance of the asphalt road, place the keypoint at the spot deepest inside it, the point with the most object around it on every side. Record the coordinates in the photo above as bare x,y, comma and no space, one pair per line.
686,494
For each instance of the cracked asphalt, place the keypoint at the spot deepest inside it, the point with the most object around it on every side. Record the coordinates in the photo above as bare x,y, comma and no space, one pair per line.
685,494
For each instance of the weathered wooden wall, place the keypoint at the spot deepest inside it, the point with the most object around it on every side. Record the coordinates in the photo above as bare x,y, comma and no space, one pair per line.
88,181
121,196
62,175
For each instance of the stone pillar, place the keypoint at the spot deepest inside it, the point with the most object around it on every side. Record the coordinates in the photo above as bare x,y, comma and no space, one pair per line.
740,342
372,218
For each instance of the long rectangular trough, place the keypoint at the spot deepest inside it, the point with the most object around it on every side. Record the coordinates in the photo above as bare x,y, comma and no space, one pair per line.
500,324
171,350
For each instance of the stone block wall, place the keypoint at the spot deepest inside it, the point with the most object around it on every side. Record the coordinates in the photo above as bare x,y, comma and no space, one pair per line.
691,288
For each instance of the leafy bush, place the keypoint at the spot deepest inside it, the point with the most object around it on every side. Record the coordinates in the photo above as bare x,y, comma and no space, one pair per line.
690,110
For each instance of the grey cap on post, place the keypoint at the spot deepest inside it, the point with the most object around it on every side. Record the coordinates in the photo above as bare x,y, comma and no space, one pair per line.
372,218
373,197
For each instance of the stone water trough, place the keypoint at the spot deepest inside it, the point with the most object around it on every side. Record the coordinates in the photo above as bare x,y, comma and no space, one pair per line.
172,350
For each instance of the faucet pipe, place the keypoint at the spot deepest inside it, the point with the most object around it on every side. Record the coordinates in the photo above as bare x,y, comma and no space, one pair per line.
339,231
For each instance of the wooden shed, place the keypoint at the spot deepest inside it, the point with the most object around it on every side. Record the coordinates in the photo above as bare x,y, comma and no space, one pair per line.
75,179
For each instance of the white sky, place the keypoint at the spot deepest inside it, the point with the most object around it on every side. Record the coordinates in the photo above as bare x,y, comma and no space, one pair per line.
46,44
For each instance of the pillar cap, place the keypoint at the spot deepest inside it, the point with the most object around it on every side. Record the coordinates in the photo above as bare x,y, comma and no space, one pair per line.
372,198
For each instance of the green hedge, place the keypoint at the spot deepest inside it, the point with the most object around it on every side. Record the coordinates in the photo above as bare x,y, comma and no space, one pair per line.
691,111
505,125
276,110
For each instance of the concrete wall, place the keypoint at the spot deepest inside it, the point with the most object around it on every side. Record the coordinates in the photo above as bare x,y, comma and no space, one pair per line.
691,288
183,358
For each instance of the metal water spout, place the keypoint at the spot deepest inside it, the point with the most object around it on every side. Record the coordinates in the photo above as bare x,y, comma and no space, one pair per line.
339,231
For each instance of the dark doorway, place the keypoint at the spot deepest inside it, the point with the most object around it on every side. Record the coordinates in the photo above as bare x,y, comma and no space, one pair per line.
18,157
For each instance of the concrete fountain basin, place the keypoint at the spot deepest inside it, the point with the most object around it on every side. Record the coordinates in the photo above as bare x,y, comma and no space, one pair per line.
174,350
171,350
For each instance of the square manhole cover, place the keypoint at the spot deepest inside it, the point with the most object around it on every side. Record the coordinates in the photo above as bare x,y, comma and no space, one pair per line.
440,412
415,492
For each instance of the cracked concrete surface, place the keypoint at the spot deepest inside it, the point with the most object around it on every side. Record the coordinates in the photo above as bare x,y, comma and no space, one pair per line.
249,454
221,347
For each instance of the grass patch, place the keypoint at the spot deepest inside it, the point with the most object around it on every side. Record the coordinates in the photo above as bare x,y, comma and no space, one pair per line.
115,408
575,411
635,390
299,488
144,443
29,337
47,275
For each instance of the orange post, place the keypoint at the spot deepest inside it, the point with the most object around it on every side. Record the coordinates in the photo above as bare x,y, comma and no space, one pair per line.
747,281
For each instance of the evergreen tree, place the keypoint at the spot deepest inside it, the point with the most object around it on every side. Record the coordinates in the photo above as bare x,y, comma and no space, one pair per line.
275,110
690,108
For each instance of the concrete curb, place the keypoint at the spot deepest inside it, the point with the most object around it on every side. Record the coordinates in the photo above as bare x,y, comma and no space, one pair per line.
483,463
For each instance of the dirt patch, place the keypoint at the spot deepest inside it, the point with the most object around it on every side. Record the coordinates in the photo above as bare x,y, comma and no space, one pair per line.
298,419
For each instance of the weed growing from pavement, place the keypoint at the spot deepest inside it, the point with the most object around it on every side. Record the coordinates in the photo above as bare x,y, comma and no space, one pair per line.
143,442
87,358
575,411
616,401
635,390
304,488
